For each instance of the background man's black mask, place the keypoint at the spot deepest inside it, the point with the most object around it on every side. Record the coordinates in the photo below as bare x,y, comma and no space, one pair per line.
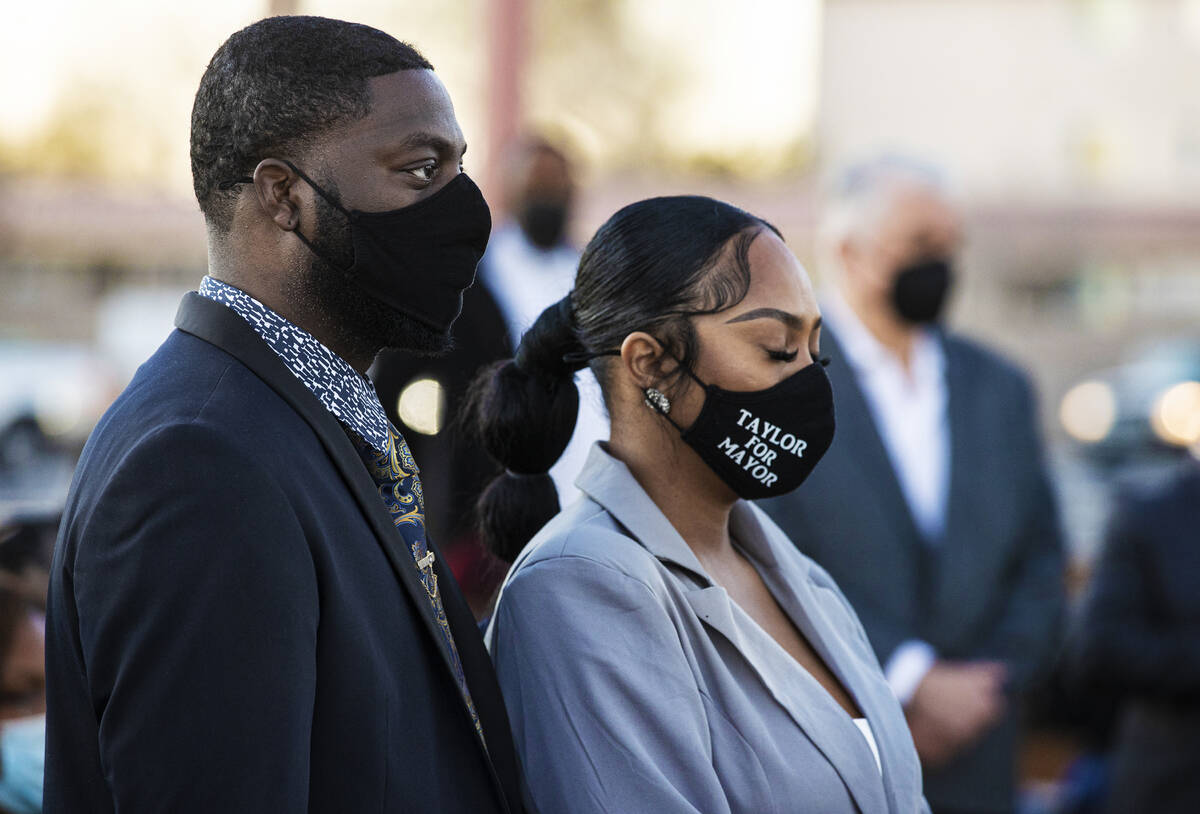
919,290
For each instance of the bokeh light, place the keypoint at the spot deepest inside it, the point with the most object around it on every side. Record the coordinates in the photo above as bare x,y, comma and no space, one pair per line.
422,406
1175,417
1088,411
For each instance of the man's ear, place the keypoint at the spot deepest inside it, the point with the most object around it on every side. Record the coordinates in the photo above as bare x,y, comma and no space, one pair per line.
646,359
274,184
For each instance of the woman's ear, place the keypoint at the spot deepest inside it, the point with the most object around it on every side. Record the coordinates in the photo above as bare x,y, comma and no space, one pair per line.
644,358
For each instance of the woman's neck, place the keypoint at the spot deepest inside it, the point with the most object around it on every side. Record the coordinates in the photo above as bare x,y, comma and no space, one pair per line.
685,489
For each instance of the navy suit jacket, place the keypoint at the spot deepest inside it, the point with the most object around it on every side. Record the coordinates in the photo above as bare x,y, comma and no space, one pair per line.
234,623
991,589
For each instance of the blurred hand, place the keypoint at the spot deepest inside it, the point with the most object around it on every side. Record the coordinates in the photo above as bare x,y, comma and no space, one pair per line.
955,704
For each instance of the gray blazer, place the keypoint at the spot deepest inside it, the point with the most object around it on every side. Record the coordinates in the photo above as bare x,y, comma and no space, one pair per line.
992,588
635,684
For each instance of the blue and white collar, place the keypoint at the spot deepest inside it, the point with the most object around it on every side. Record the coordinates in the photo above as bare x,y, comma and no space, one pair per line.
338,386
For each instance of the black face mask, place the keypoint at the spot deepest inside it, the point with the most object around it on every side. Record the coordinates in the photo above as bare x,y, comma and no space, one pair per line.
919,290
544,221
419,259
763,443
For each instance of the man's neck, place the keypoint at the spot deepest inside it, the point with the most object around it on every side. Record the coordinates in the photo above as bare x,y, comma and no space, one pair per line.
321,326
889,330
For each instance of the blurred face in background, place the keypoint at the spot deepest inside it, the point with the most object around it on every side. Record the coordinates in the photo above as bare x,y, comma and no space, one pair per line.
909,227
541,192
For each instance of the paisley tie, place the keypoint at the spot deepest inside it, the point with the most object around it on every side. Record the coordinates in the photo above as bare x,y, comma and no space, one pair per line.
395,474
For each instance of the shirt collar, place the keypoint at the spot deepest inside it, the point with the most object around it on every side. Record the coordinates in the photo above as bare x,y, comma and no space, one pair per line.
350,397
610,483
866,353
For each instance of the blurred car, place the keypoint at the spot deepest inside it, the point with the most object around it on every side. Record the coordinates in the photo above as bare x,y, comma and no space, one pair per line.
1145,412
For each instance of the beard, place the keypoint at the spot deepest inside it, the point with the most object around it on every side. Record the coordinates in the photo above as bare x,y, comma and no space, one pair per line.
354,317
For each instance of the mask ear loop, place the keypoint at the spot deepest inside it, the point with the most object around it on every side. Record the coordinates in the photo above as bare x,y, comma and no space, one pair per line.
328,199
317,189
246,179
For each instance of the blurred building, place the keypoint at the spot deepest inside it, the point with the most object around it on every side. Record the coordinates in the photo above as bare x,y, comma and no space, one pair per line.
1072,135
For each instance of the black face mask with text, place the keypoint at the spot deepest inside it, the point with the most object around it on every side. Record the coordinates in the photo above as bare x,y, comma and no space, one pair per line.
417,260
764,443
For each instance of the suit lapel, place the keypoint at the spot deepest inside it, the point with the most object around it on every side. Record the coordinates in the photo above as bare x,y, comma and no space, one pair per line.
856,426
956,559
220,326
485,689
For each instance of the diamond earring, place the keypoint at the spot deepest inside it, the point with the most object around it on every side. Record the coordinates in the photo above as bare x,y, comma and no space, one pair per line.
656,401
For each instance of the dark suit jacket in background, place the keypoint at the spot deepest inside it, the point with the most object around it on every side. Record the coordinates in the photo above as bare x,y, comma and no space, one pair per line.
455,468
234,624
991,589
1139,640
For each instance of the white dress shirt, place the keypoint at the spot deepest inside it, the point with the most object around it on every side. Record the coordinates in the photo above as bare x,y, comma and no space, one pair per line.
908,406
524,280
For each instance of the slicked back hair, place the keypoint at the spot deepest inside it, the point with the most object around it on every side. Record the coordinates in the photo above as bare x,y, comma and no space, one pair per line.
275,86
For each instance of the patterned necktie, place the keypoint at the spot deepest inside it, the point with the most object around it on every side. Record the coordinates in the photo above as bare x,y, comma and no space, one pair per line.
396,476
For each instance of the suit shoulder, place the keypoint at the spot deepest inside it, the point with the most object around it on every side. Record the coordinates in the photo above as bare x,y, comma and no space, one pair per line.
987,360
1000,375
1175,490
188,417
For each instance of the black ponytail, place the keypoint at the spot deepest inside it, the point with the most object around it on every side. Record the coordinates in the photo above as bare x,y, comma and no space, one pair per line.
524,411
651,267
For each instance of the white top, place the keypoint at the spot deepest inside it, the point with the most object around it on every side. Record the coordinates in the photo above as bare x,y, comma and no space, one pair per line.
524,280
909,410
864,726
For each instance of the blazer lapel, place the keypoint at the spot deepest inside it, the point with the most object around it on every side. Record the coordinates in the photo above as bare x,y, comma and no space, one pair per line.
612,485
217,324
793,591
827,726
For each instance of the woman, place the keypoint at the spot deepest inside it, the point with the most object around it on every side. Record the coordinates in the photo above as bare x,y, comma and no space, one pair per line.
661,645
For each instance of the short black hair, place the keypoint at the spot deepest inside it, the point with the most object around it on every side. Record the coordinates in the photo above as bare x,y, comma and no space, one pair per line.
276,85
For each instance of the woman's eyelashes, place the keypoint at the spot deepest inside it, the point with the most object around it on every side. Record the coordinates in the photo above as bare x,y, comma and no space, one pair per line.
790,356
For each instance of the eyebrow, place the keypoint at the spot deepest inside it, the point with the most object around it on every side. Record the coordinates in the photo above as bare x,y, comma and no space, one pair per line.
423,139
791,320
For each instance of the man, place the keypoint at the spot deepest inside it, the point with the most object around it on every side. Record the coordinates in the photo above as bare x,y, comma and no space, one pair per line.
529,265
1139,644
932,508
245,613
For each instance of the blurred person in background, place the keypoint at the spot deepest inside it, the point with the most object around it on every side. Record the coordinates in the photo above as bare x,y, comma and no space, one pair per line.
529,264
23,562
245,612
932,509
1138,644
662,646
